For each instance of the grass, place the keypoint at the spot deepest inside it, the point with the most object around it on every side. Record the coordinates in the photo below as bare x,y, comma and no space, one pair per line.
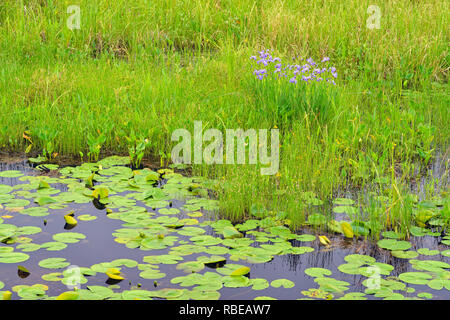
152,67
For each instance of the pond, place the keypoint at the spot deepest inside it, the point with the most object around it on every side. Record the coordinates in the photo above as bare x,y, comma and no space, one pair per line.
103,231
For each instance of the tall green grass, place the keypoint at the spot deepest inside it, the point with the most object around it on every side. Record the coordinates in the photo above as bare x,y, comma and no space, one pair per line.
156,66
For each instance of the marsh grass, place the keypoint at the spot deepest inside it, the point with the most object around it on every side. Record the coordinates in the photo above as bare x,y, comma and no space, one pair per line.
156,66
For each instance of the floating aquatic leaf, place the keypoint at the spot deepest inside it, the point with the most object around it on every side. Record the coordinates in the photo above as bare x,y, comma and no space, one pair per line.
102,292
124,262
68,237
240,271
212,261
429,265
11,174
204,295
350,211
43,185
259,284
285,283
306,237
13,257
28,247
395,245
300,250
136,295
191,266
54,263
415,277
191,231
439,284
152,274
169,211
425,295
68,295
86,217
427,252
4,189
53,276
331,284
404,254
359,259
236,281
42,201
317,272
53,246
229,232
164,259
353,296
391,235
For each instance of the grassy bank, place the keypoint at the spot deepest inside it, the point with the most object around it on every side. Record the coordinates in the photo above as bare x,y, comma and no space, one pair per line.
149,68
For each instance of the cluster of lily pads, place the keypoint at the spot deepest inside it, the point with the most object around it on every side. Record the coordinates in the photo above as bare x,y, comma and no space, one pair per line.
169,218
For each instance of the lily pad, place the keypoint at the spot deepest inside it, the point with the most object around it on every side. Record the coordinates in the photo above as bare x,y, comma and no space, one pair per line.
54,263
68,237
317,272
285,283
415,277
13,257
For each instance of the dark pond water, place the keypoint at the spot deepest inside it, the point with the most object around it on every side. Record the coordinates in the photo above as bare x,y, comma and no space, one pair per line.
99,246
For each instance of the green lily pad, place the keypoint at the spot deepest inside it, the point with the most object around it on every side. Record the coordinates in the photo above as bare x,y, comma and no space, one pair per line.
259,284
28,247
191,266
152,274
229,232
163,259
13,257
415,277
394,245
285,283
306,237
359,259
204,295
86,217
317,272
68,237
136,295
439,284
54,263
53,276
236,281
404,254
42,201
427,252
11,174
53,246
